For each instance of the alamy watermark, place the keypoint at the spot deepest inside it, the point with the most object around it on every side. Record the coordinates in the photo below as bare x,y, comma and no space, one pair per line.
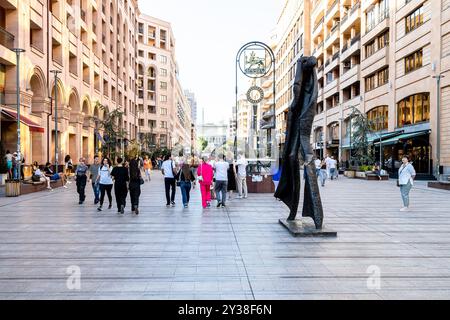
73,282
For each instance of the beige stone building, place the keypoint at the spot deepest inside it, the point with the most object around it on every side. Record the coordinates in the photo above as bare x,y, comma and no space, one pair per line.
164,111
96,45
382,57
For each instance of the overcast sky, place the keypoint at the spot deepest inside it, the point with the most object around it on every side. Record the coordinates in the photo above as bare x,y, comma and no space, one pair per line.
208,35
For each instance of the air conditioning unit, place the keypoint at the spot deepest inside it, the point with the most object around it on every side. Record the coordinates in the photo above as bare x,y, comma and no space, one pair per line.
347,65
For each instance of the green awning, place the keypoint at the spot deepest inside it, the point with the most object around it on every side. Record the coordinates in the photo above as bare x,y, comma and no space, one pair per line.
405,136
376,139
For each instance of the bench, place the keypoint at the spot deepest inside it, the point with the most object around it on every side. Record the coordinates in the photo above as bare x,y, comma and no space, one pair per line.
29,186
374,177
442,185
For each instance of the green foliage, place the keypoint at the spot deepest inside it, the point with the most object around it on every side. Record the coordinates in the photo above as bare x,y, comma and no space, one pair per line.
365,168
112,132
3,167
202,143
161,152
361,153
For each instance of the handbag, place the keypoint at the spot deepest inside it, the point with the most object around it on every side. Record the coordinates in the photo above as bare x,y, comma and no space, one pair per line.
35,178
141,181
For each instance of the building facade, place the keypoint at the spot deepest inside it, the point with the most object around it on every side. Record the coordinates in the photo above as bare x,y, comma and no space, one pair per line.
95,45
384,58
164,112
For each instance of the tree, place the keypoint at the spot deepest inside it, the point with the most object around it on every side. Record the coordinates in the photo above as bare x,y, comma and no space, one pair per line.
361,128
113,133
202,143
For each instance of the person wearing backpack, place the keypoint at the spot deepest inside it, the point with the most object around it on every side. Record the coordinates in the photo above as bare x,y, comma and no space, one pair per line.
169,172
205,178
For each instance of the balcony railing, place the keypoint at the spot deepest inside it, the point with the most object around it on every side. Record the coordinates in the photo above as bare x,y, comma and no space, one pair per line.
355,39
318,24
6,38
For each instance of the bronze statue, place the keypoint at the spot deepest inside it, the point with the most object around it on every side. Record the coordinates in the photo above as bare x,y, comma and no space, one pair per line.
299,126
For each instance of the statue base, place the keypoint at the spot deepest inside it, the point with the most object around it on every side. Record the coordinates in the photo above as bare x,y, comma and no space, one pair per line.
298,229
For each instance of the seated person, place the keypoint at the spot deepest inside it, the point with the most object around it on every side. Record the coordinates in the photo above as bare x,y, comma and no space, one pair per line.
37,172
54,176
377,171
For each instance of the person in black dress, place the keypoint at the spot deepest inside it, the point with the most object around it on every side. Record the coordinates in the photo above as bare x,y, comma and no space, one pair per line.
231,173
121,178
135,185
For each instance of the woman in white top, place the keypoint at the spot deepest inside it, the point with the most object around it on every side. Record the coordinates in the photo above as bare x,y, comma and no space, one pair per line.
406,175
43,178
105,182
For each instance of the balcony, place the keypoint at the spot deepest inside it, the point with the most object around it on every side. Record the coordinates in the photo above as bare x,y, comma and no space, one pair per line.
6,39
351,47
331,88
332,11
350,76
375,28
333,36
353,15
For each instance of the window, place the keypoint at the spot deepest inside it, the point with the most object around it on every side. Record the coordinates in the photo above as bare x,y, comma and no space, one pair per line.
163,72
414,61
163,85
413,109
163,59
163,111
377,79
414,20
383,40
370,49
163,98
378,118
164,125
370,82
383,76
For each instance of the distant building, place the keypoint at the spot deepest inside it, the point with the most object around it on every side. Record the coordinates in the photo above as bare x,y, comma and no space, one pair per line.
193,103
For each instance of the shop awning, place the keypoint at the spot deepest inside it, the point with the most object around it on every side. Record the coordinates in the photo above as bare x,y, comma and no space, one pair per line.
374,138
34,127
405,136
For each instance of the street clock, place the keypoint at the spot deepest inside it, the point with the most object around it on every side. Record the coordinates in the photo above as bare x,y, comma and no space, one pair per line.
255,95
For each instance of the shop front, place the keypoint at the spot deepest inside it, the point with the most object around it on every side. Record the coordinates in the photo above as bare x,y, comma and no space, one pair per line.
416,145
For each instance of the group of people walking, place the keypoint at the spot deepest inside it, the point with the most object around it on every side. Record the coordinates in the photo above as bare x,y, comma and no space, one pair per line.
124,177
326,169
217,178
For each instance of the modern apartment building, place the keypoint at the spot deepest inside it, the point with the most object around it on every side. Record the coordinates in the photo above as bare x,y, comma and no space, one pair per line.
164,112
293,41
95,45
382,57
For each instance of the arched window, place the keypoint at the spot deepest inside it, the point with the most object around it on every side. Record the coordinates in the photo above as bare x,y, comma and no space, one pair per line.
413,109
378,117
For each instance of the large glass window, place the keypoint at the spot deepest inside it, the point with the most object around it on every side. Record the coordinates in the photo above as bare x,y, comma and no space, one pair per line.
414,61
378,118
413,109
414,19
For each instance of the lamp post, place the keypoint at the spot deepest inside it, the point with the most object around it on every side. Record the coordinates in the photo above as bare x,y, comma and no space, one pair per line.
438,125
18,51
341,120
56,73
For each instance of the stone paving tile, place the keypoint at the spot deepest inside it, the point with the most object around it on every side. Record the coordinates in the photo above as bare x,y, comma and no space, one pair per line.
237,253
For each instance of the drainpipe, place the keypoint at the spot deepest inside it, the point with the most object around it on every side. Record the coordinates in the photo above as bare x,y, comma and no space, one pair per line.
49,94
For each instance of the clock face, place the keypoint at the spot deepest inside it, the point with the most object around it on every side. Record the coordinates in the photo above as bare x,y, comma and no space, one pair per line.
255,95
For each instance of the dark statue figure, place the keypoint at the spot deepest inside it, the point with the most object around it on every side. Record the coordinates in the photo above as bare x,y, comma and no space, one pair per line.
299,126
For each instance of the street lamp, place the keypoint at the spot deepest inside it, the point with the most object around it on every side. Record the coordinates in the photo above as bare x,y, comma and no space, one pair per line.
18,51
56,73
438,126
341,121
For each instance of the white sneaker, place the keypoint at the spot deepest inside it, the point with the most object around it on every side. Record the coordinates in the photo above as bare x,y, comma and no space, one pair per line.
69,182
65,187
404,209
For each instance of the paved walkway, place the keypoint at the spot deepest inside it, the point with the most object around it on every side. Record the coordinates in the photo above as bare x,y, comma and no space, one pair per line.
237,253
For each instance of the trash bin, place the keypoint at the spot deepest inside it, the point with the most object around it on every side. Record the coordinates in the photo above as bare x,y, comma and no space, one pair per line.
12,188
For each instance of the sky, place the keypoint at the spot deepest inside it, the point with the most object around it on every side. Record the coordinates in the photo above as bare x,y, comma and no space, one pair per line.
208,35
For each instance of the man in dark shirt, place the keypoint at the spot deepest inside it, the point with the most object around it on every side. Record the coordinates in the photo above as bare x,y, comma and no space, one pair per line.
121,178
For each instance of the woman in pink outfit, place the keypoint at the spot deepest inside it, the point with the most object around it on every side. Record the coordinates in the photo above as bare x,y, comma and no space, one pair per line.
205,177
